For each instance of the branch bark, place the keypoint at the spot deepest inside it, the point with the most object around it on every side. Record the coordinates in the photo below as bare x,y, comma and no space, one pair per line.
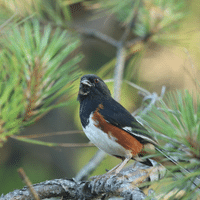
90,166
124,184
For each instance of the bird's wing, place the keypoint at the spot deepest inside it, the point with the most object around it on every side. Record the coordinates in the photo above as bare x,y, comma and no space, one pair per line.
117,115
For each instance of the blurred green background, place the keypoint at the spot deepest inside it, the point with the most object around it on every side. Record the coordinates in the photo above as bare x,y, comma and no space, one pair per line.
162,61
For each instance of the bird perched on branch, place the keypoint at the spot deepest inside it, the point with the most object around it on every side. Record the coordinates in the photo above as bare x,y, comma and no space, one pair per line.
109,126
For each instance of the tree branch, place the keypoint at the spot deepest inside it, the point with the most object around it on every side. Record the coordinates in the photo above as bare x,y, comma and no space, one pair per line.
94,33
91,166
121,56
124,184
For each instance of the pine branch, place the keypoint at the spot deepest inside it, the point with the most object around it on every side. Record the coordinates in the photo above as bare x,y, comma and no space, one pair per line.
34,74
90,166
124,184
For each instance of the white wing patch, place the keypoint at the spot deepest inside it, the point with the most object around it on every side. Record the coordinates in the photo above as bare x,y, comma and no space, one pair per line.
130,130
127,128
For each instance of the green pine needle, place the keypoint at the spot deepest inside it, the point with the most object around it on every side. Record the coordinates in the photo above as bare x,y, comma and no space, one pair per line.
34,73
175,122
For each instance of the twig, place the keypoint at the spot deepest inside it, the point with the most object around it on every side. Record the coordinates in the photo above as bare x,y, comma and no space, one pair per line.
121,57
119,71
51,144
99,35
154,98
26,180
134,41
145,92
7,21
91,166
147,95
76,144
50,134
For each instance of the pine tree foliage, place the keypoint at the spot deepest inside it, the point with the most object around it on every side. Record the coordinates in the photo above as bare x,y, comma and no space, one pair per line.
33,73
175,122
156,22
153,17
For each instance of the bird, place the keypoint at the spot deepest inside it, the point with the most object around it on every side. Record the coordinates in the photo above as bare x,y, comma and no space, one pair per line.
110,127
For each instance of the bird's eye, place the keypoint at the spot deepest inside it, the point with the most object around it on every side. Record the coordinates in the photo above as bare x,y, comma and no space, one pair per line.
96,80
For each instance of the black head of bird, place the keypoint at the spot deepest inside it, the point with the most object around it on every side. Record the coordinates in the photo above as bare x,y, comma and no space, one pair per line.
91,86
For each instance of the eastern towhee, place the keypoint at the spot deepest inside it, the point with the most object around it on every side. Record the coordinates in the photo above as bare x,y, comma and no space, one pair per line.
109,126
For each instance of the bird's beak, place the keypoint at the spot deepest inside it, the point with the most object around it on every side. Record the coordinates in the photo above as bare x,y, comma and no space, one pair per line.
86,82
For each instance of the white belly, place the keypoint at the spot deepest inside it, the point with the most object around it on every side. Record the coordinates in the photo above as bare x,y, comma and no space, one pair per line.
103,141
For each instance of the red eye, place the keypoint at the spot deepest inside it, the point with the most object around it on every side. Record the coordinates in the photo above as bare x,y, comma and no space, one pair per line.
96,80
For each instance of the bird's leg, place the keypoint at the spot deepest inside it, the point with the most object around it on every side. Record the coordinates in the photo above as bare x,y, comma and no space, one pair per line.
114,168
120,166
117,168
134,164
